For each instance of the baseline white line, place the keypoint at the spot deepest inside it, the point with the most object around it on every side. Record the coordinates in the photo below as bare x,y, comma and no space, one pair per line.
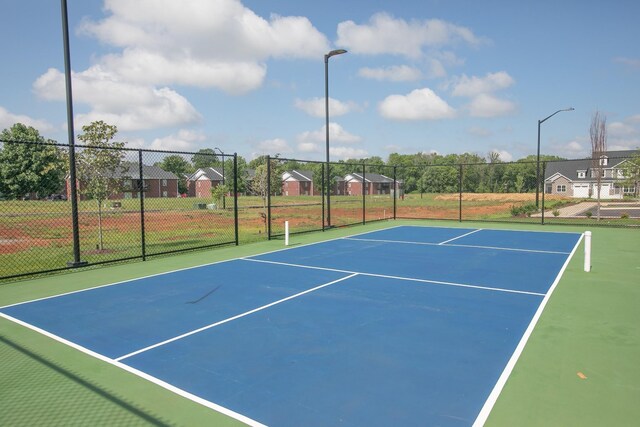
502,380
406,242
213,325
459,237
151,378
408,279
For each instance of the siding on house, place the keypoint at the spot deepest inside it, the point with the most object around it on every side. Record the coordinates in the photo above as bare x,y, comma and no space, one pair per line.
298,183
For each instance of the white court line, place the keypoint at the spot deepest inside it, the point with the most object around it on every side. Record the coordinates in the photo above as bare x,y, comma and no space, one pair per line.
157,381
213,325
502,380
407,279
406,242
459,237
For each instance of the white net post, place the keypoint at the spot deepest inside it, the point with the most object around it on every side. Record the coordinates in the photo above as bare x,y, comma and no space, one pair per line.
587,251
286,233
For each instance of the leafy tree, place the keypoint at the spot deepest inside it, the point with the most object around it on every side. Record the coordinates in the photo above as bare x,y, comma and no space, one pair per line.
180,167
439,179
99,167
204,158
29,165
262,181
631,172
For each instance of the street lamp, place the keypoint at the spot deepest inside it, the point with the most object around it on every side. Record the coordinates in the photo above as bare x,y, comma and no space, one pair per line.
326,109
538,156
225,193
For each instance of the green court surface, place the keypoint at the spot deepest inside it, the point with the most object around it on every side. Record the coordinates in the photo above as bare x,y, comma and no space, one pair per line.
579,367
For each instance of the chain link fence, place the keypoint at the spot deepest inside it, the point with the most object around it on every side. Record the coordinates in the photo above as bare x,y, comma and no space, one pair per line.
130,204
133,204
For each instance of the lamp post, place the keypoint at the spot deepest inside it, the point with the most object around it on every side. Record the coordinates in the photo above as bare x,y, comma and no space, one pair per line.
225,193
538,156
326,109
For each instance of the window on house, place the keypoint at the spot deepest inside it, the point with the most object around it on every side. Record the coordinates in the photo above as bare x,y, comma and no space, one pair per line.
549,188
164,182
582,174
561,188
164,194
604,160
629,190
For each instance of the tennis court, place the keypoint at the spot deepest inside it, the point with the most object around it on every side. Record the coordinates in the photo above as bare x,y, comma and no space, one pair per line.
407,325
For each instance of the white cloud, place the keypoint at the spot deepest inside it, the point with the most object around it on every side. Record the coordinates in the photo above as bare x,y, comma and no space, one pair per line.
479,131
336,134
474,86
128,106
420,104
218,44
385,34
347,152
276,145
316,107
620,129
8,119
309,147
184,140
394,73
505,156
485,105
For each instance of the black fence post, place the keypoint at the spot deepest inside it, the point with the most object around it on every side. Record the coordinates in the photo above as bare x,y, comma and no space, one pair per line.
460,194
364,194
395,191
544,168
268,197
235,195
322,193
141,195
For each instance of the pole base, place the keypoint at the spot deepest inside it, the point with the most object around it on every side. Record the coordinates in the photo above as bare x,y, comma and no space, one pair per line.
76,264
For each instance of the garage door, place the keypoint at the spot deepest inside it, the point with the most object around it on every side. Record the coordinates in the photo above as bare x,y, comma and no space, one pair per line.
580,190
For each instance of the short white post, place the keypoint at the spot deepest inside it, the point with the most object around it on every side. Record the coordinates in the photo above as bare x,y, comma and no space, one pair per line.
286,233
587,251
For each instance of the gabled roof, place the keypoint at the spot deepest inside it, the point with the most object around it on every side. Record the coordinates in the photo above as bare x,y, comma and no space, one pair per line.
297,175
131,170
368,177
570,168
212,174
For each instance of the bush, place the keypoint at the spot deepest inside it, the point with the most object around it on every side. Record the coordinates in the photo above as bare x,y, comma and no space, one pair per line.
527,209
624,215
589,214
555,212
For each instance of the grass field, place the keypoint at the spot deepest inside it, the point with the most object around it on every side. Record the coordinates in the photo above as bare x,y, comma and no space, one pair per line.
37,235
579,367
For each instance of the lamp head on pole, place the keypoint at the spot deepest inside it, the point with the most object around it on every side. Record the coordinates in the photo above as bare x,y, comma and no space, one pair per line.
334,53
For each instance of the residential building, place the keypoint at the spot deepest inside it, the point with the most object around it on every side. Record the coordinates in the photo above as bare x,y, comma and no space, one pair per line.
200,183
579,178
298,183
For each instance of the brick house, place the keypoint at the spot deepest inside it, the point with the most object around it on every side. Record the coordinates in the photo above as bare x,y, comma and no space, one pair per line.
578,178
200,183
374,183
156,182
298,183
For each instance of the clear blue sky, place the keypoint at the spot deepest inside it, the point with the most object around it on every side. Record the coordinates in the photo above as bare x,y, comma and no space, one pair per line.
247,76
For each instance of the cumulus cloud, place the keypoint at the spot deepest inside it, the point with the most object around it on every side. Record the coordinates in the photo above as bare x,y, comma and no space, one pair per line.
127,105
219,44
420,104
337,134
316,107
486,106
184,140
474,86
394,73
385,34
8,119
505,156
347,152
275,145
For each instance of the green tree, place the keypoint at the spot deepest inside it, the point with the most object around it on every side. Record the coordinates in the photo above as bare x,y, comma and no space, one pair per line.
439,179
179,166
631,173
204,158
29,164
99,167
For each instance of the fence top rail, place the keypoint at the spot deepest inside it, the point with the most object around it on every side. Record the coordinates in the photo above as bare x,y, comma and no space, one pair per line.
146,150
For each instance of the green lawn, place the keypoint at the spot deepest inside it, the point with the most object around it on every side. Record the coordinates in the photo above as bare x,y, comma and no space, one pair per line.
579,368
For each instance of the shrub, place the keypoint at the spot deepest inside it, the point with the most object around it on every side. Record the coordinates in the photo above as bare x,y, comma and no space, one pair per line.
624,215
589,214
555,212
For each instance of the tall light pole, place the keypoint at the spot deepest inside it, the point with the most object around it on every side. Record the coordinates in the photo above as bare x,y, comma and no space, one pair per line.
538,156
225,193
326,109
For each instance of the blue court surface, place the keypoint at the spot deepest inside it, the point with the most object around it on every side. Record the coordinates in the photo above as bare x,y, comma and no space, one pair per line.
403,326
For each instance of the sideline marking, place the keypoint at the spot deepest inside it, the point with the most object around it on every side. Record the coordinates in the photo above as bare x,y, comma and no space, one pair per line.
502,380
